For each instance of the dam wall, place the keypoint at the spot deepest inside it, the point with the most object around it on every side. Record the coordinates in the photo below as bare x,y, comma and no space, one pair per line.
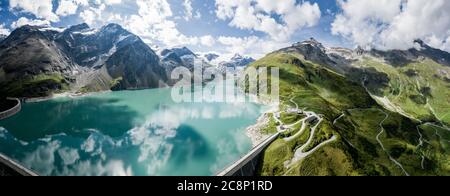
12,111
8,167
248,165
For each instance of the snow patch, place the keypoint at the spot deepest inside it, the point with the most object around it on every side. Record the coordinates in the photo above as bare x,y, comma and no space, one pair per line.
59,30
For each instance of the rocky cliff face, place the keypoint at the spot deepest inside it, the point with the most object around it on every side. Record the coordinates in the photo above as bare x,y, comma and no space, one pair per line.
32,64
2,37
176,57
178,51
404,57
39,61
92,47
136,66
314,51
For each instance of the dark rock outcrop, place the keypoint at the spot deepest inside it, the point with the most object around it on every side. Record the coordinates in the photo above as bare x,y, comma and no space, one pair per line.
211,56
2,37
39,61
404,57
137,66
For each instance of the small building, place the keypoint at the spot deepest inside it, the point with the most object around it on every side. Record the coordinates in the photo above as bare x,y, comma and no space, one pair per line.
294,111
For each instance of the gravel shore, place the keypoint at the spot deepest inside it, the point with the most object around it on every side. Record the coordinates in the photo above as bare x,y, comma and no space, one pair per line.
254,131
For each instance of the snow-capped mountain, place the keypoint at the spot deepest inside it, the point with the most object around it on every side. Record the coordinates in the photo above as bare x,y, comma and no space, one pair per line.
238,61
211,56
175,57
78,58
93,47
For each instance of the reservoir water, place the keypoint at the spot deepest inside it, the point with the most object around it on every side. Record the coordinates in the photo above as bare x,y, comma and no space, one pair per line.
128,133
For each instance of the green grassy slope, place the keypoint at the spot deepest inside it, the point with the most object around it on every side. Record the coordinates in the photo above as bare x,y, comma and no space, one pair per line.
356,150
421,89
35,86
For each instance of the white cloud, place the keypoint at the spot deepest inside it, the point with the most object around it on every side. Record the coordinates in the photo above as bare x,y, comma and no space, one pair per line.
68,155
66,7
394,24
112,2
251,46
151,20
42,9
88,16
25,21
43,158
446,45
153,23
187,5
91,168
4,30
94,14
197,15
208,40
70,7
258,15
89,145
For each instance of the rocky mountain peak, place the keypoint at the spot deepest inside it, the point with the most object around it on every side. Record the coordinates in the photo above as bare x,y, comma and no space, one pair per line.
180,52
238,61
211,56
79,27
26,29
242,60
25,32
359,50
314,51
237,56
420,42
112,27
183,51
311,42
404,57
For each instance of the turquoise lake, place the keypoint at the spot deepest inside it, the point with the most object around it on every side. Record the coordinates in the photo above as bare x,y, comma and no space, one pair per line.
128,133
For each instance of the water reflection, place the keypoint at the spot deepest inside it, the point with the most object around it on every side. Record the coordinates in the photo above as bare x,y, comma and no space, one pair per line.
36,120
107,136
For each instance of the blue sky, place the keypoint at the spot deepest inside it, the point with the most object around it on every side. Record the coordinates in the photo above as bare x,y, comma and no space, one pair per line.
249,27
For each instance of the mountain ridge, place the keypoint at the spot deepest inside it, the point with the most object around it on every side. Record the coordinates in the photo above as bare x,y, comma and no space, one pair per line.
77,59
374,116
386,111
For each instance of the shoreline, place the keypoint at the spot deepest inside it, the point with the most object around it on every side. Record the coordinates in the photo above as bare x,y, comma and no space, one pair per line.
62,95
254,131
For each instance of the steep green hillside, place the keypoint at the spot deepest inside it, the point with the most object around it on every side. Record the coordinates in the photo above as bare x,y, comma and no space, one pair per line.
35,86
420,89
356,135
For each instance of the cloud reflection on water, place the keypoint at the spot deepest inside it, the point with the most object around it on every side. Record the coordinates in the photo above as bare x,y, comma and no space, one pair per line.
146,149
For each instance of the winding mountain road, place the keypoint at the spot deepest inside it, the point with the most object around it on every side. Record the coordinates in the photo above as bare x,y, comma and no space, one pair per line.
335,120
299,153
382,146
